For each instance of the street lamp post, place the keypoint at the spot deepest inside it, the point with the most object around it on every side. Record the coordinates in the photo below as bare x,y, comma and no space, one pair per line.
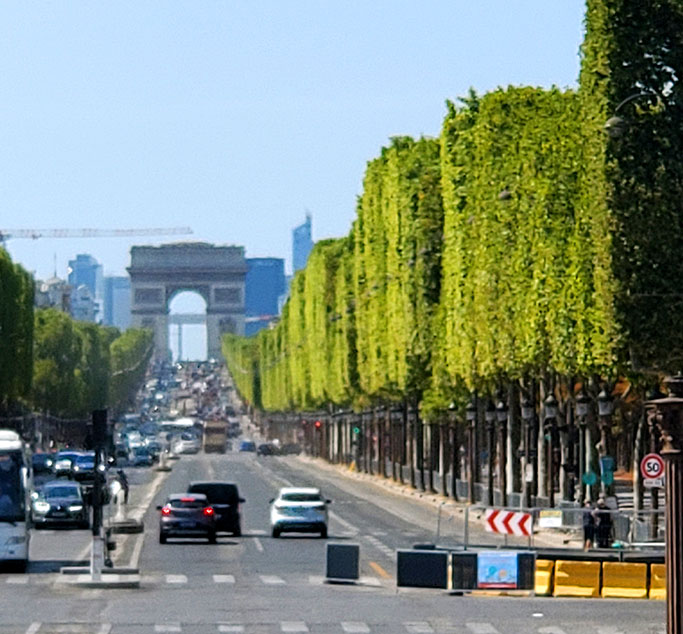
582,408
471,416
528,415
502,418
455,450
605,408
491,445
667,415
550,424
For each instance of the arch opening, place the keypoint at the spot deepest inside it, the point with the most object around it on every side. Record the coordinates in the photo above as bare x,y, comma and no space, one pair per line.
187,330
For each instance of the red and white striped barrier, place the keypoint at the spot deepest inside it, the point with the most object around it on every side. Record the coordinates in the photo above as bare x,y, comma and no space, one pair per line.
507,522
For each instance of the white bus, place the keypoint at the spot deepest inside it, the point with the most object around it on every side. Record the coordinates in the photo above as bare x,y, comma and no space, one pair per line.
15,499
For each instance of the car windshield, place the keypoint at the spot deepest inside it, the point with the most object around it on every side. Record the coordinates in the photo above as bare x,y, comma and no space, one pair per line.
301,497
61,492
217,493
85,460
186,503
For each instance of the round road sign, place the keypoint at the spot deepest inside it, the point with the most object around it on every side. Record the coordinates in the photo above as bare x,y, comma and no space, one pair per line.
652,466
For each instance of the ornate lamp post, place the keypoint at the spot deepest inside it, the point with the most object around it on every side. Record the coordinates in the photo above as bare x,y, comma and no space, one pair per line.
550,425
528,416
491,446
582,409
667,415
502,417
471,416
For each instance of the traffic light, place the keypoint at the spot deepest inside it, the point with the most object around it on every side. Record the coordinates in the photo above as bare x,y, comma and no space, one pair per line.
318,424
356,430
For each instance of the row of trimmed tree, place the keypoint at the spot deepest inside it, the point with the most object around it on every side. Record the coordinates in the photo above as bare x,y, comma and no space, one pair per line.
509,291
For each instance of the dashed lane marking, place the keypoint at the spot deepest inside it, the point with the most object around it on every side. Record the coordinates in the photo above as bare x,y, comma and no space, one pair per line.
105,628
419,627
23,580
383,548
551,629
231,628
354,627
33,628
224,579
293,626
271,580
168,627
176,579
258,544
482,628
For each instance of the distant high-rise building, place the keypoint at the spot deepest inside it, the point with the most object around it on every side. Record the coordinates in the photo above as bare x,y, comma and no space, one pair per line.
83,304
302,243
85,270
264,285
117,302
53,293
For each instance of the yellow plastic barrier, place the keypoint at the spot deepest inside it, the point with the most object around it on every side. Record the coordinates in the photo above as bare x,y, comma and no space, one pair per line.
624,581
658,581
543,585
577,579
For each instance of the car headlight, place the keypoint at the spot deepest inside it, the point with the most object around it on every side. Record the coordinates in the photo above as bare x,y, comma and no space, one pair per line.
77,468
101,468
48,463
41,507
76,507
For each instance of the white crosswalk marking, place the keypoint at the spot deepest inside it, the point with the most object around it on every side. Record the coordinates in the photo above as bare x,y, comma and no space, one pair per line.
168,627
231,628
176,579
224,579
293,626
23,580
482,628
419,627
105,628
353,627
271,580
33,628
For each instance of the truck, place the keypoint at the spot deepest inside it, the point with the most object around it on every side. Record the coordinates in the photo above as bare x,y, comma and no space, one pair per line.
215,435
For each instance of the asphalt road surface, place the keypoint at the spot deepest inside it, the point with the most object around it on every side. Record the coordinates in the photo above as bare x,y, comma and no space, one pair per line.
259,585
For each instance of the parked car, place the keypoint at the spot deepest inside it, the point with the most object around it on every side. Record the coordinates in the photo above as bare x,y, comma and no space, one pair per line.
187,515
267,449
300,510
290,449
247,445
60,503
225,499
64,462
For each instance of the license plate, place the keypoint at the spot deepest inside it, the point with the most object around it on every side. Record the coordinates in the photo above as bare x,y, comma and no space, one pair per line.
59,514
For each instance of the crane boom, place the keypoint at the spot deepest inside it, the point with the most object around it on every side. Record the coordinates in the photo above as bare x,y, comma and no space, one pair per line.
34,234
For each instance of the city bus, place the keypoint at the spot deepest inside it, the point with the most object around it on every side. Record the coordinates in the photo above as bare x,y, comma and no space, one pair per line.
15,499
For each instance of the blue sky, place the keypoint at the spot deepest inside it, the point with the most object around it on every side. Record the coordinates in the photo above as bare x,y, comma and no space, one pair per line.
235,117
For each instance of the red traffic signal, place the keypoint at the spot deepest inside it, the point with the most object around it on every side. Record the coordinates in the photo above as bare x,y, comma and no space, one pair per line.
318,424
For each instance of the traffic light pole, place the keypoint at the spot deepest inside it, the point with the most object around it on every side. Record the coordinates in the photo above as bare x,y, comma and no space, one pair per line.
97,553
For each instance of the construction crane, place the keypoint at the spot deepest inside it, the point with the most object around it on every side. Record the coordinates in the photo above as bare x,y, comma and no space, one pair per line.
34,234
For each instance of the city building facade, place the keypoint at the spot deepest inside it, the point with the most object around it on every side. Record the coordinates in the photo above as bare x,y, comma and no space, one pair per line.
302,244
117,301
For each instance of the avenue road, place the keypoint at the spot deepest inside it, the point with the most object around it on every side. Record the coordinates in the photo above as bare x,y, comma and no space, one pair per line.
259,585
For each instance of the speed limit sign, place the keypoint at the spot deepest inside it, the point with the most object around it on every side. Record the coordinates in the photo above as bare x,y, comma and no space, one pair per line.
652,466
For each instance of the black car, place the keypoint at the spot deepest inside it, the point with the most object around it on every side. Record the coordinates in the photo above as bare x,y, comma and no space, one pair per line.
83,468
267,449
42,462
60,503
187,515
224,497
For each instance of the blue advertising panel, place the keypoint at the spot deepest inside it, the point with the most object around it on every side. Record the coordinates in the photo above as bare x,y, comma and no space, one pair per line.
496,569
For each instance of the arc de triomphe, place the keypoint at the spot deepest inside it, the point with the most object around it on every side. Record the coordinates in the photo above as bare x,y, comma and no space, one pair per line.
217,273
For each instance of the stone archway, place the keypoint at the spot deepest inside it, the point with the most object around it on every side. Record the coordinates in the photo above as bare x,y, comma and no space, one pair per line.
217,273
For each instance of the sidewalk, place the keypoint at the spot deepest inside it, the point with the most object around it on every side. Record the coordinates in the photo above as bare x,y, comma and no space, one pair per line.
451,510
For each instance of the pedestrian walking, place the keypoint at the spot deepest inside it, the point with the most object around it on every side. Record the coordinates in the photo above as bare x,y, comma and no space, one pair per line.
603,525
588,525
123,481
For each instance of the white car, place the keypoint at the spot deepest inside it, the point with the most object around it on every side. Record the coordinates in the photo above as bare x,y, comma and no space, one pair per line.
186,445
299,510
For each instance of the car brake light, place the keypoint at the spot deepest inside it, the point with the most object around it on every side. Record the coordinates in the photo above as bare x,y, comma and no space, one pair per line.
208,510
165,511
187,500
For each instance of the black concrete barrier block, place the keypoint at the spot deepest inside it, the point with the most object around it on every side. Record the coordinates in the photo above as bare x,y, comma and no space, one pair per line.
422,569
464,571
343,561
526,571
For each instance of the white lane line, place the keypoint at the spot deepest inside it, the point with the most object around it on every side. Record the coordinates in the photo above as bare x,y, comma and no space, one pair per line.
370,581
258,544
316,580
293,626
105,628
141,508
224,579
18,580
609,629
551,629
257,532
383,548
482,628
271,580
354,627
347,525
33,628
231,628
419,627
176,579
168,627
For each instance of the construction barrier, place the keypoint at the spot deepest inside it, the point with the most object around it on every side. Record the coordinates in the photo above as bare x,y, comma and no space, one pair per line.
658,581
625,581
577,579
544,577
